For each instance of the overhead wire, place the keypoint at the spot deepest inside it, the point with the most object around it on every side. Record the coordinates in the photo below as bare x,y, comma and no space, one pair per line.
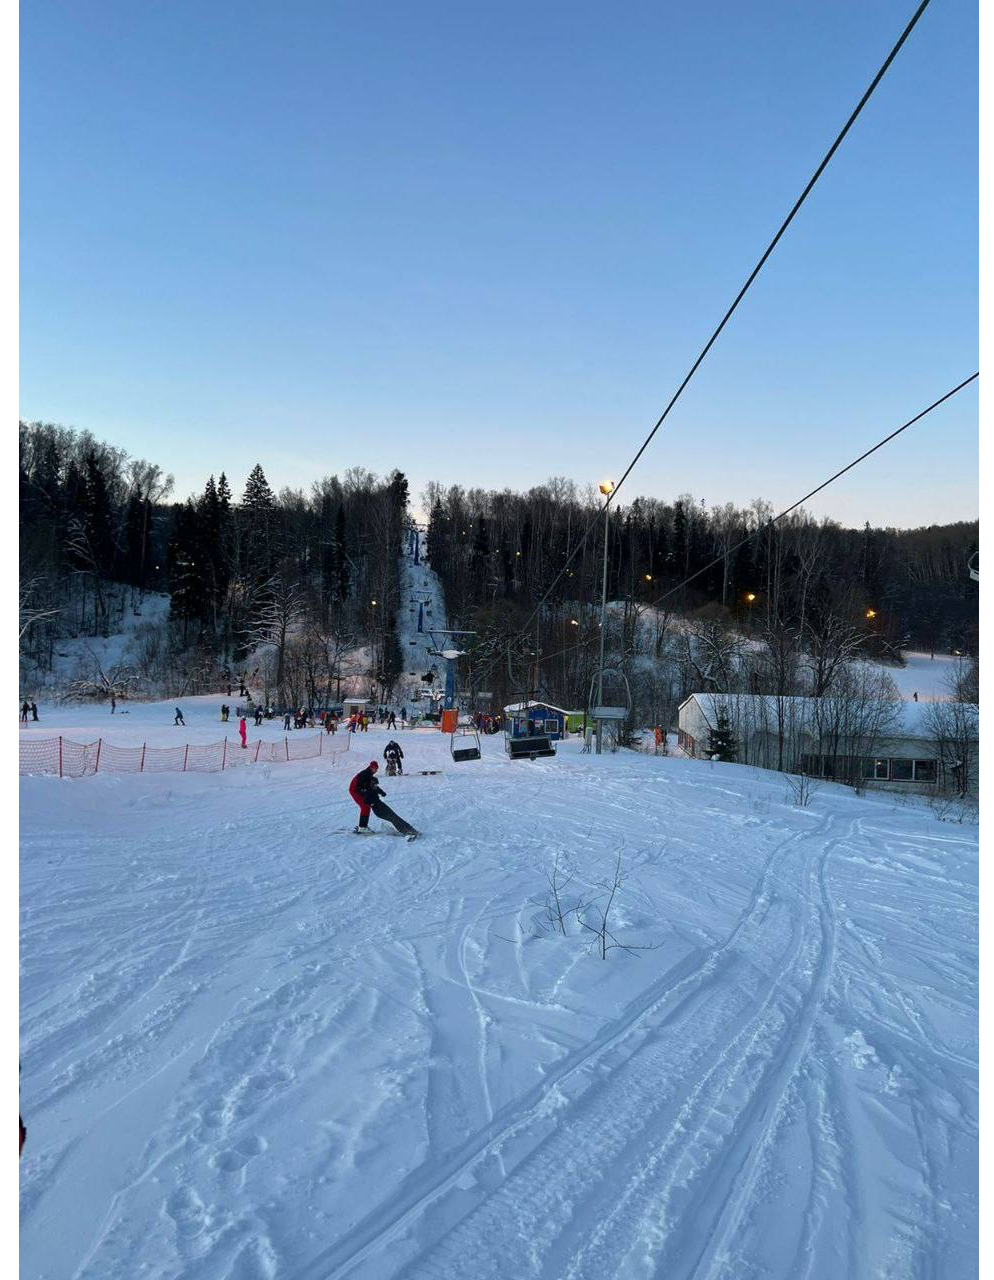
769,524
826,159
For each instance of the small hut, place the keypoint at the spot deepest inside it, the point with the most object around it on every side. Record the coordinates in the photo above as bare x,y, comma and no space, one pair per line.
531,719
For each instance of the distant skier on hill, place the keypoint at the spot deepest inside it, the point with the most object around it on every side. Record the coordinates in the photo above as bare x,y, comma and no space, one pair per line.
366,792
179,718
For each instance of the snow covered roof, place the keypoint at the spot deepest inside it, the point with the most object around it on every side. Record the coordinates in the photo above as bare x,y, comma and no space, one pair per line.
911,719
524,706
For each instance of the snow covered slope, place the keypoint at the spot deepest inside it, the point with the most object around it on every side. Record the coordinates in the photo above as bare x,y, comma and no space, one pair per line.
420,590
256,1046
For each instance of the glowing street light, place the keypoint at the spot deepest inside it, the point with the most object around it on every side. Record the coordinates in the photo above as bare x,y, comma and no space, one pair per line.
871,613
573,622
647,577
750,596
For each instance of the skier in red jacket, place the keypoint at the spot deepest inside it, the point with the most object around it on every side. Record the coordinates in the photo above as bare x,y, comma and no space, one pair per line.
366,792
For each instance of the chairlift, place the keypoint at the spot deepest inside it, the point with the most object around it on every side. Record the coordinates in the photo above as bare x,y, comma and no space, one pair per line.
609,714
973,566
464,743
606,712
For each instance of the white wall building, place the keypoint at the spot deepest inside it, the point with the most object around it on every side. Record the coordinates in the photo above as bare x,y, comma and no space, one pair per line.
915,746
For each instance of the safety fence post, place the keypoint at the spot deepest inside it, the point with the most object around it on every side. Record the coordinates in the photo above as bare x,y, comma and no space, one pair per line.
224,754
60,755
255,758
96,767
141,762
320,741
186,752
286,747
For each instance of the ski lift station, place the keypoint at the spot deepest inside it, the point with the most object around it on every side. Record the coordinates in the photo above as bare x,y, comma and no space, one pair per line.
530,728
543,717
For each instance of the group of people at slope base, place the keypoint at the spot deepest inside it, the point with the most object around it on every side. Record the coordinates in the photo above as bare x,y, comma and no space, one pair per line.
368,795
486,723
29,707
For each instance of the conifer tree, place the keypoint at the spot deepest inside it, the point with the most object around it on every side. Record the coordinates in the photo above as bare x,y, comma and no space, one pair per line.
722,742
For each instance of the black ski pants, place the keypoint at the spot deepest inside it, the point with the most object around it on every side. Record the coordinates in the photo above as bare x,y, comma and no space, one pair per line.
387,814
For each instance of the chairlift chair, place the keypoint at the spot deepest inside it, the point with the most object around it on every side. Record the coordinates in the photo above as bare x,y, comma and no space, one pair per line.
973,565
520,743
464,743
609,715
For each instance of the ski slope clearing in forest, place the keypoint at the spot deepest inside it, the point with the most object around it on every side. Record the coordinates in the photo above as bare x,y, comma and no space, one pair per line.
254,1045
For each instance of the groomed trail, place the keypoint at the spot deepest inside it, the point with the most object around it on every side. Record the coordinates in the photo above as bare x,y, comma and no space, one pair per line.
256,1046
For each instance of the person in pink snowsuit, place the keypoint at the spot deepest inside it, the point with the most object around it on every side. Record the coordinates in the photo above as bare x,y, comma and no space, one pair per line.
243,731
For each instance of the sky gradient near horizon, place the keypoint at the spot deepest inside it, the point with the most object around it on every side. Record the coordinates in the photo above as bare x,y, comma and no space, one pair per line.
484,244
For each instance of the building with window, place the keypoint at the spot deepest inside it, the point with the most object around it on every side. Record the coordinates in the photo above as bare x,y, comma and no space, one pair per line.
528,718
915,746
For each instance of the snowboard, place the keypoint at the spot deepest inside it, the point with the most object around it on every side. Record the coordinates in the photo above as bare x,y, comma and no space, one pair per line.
382,832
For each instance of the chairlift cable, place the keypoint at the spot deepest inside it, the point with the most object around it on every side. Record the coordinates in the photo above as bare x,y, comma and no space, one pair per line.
741,294
768,524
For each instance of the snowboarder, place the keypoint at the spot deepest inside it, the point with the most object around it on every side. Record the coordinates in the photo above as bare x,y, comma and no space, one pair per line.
25,708
225,712
915,695
366,792
258,716
34,709
179,718
393,755
243,732
286,720
392,719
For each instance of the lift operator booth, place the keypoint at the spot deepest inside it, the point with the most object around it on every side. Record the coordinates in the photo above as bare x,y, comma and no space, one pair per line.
523,738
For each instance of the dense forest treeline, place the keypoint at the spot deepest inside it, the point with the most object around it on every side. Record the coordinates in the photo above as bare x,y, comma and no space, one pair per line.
313,577
307,578
808,595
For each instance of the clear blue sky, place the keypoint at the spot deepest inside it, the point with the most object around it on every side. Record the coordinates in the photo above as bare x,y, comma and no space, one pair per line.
483,243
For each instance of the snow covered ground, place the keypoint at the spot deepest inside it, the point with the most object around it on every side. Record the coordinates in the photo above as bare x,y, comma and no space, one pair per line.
154,723
420,589
931,678
254,1045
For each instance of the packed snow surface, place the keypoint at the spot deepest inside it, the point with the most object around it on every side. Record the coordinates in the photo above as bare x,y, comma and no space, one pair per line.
255,1045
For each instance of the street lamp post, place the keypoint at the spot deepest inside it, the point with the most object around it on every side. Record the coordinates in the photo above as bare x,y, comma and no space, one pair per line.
607,488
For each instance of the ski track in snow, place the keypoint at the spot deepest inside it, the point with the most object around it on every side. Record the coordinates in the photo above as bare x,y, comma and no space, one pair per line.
255,1046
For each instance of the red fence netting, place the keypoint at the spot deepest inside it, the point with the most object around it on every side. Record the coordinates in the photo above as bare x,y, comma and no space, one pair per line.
67,759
